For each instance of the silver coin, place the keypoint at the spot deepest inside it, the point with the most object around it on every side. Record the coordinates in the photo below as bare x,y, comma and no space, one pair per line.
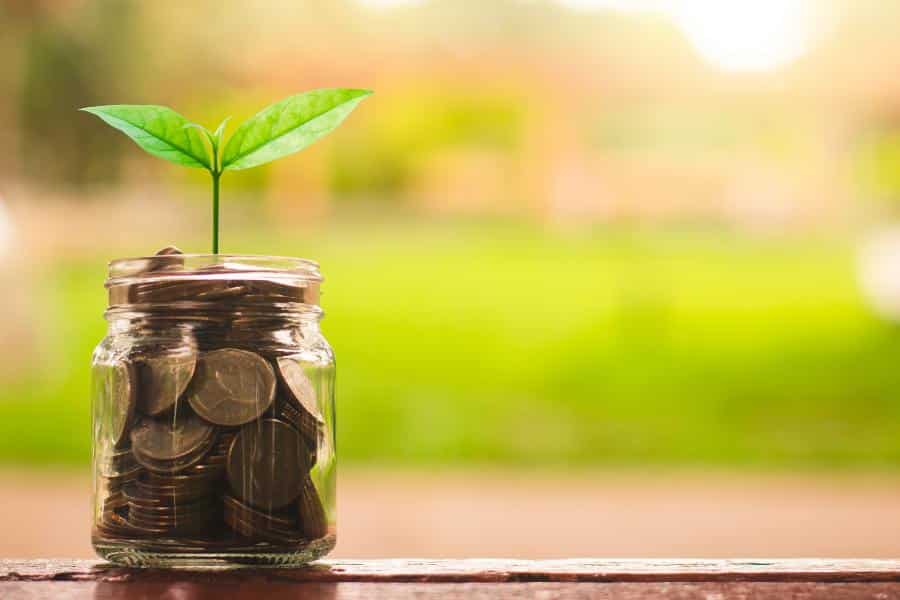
162,381
300,386
232,387
116,399
170,439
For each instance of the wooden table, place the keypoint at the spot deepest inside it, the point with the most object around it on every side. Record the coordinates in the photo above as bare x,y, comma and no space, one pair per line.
471,579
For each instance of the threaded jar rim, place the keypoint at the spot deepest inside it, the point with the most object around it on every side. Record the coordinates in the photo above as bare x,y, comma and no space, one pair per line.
202,265
127,275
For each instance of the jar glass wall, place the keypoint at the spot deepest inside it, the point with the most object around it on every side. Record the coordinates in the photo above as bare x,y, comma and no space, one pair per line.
213,413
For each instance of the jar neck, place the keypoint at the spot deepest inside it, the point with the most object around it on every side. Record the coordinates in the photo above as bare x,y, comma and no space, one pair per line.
213,316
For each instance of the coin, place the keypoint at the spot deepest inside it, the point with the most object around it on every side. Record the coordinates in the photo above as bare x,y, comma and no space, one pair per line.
172,519
220,290
142,495
313,522
116,398
166,493
264,290
115,483
257,531
309,428
112,523
240,526
299,418
162,511
299,386
162,381
170,439
118,465
232,387
139,497
114,501
183,481
267,463
250,514
147,526
172,291
176,465
169,258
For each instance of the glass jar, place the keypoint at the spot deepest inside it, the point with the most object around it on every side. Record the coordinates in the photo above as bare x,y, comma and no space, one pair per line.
213,413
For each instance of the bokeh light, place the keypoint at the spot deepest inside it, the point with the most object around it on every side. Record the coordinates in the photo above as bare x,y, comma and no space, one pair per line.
747,36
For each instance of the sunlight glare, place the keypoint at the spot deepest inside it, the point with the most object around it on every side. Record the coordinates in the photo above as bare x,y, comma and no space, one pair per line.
734,35
761,35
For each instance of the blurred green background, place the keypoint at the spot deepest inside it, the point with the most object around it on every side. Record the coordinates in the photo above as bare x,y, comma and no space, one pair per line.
561,233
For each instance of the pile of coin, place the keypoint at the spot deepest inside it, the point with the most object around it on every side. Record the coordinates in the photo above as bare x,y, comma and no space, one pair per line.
207,445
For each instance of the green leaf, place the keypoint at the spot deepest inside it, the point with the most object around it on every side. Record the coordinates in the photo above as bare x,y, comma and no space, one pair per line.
220,131
289,126
157,129
205,132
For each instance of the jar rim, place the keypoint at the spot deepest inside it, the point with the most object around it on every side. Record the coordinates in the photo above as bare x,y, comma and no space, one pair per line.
122,270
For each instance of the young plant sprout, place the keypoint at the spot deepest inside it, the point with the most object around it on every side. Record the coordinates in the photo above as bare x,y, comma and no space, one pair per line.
283,128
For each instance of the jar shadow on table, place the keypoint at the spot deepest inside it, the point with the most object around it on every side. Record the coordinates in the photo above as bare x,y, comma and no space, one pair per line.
253,589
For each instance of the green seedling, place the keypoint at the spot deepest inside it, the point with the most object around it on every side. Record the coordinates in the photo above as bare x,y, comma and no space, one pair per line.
283,128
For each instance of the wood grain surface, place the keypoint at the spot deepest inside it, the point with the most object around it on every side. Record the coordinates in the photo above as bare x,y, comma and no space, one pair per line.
471,578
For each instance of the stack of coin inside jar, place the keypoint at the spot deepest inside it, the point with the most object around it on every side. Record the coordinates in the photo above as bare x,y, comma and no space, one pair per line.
208,444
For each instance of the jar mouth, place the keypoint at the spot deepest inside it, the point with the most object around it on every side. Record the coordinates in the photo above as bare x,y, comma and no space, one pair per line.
212,277
212,266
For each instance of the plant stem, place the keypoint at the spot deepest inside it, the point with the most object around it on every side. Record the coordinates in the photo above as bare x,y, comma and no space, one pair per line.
215,216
